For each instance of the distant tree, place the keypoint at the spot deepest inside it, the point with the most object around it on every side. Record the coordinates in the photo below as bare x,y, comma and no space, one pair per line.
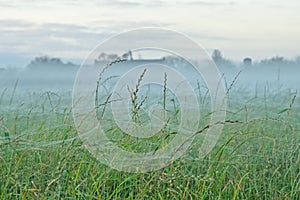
106,57
277,60
46,60
102,57
112,57
217,55
42,59
127,55
247,61
220,60
55,61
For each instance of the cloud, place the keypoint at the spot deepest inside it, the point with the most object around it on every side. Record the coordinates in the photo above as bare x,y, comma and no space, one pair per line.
209,3
132,4
6,5
39,34
4,24
62,40
211,36
25,40
70,41
114,26
123,3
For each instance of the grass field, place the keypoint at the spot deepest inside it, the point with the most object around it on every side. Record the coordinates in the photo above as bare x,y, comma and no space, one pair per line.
41,156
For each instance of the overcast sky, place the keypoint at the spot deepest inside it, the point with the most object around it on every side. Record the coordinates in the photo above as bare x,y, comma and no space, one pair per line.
70,29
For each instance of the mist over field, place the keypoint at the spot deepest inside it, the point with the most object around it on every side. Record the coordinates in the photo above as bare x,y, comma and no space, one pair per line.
45,73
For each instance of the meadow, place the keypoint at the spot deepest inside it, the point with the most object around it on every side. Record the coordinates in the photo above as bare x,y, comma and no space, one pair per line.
256,157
